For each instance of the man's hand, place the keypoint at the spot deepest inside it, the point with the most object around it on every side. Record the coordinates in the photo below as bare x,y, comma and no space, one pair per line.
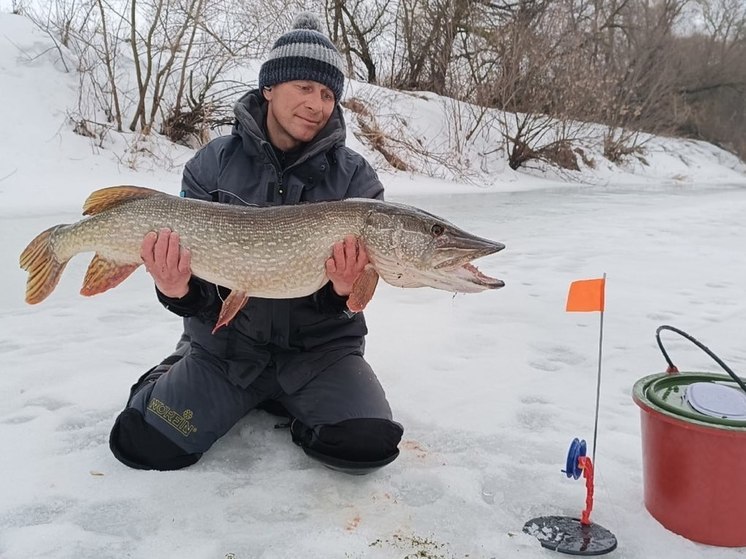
347,261
168,263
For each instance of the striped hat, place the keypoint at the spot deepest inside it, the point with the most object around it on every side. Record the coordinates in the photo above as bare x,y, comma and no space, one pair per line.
304,53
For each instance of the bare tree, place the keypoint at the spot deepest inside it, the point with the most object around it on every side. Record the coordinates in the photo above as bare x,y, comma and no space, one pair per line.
425,42
358,28
712,75
108,55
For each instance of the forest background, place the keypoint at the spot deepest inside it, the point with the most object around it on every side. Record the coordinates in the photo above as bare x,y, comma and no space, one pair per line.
538,74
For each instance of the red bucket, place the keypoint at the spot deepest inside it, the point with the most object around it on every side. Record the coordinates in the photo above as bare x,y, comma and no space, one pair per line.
694,464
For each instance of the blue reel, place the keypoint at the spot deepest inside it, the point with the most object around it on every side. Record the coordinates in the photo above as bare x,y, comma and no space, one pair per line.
577,449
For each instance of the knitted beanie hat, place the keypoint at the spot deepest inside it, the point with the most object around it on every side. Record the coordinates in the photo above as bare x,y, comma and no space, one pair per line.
304,53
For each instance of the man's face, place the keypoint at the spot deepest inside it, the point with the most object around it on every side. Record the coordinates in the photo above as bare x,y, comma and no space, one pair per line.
297,111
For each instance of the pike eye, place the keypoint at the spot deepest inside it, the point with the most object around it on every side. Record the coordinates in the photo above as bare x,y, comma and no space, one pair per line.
437,229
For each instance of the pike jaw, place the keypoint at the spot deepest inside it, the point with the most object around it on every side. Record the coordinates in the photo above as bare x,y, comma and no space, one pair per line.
431,252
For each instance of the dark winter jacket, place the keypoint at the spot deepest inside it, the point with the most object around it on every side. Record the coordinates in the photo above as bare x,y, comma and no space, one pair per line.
300,336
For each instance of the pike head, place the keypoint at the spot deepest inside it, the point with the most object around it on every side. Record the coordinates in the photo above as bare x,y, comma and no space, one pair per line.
412,248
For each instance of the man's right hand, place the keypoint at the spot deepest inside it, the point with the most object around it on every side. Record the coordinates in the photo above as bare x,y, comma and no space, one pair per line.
168,263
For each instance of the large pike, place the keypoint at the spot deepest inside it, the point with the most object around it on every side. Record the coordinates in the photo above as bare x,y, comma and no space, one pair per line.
274,252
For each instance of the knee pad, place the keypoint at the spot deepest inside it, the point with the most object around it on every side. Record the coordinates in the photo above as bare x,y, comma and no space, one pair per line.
139,445
355,446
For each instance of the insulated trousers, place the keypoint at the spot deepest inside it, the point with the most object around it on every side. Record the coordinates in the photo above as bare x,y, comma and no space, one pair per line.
178,409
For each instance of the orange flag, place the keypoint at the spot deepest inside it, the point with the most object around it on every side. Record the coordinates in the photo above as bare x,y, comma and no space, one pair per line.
586,295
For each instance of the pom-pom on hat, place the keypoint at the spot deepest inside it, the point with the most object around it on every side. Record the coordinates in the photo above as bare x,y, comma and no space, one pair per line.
304,53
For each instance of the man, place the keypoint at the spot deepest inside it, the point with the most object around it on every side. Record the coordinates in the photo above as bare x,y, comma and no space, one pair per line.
302,357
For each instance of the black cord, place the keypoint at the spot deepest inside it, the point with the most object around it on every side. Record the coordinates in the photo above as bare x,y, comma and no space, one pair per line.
701,346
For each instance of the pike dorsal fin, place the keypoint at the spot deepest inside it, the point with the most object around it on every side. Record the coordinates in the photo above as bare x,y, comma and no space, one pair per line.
106,198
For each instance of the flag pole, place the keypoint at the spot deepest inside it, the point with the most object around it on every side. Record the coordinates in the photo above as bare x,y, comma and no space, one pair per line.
598,379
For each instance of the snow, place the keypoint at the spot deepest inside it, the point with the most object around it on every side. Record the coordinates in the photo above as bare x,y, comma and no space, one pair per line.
491,388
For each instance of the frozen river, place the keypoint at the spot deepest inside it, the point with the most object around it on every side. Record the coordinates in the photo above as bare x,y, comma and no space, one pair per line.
490,388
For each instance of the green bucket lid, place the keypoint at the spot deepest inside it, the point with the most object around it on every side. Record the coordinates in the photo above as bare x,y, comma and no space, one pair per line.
704,398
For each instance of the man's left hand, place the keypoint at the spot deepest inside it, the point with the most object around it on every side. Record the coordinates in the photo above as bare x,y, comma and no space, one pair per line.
347,261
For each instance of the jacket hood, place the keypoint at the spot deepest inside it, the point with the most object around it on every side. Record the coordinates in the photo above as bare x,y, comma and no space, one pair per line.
251,113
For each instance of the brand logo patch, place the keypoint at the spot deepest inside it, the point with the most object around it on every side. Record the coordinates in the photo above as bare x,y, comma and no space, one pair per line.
179,421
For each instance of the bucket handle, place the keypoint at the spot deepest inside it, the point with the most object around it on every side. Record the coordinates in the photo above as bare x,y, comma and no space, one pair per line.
673,369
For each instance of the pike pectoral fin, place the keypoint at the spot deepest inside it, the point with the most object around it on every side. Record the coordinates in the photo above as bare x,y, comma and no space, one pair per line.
232,304
104,274
363,289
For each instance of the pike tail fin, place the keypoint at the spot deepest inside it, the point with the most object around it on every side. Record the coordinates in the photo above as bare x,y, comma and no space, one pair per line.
103,275
41,263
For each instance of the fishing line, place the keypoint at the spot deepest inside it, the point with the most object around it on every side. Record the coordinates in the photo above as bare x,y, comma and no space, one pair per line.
598,384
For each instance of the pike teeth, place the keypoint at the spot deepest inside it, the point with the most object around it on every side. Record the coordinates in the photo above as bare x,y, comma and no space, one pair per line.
478,277
462,260
453,263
